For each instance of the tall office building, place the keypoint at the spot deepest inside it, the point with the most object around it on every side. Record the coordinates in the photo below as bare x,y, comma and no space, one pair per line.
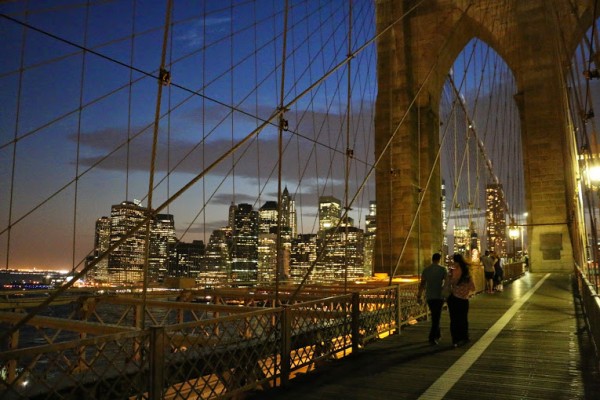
216,265
474,243
462,239
162,246
268,217
288,213
267,257
329,212
495,218
369,237
244,251
186,259
231,215
371,218
303,255
126,262
101,244
267,241
444,219
269,220
343,254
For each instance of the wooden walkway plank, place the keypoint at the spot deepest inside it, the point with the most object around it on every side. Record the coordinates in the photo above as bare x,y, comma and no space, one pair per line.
539,349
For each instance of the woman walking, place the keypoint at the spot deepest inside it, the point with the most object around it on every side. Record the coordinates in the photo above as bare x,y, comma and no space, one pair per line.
461,286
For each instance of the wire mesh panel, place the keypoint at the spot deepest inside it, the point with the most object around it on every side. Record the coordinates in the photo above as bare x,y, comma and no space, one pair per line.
378,312
207,359
220,357
320,330
104,367
410,309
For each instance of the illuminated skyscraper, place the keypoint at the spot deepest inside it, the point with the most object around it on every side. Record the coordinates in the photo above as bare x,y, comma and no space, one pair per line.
444,219
370,232
101,244
231,216
126,262
187,259
244,251
371,218
462,239
303,254
495,216
217,258
267,256
162,242
343,254
329,212
268,217
288,213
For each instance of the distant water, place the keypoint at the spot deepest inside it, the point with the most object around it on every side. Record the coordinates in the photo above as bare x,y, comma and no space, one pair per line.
12,277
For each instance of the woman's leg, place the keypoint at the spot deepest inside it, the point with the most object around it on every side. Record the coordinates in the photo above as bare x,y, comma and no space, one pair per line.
465,333
454,317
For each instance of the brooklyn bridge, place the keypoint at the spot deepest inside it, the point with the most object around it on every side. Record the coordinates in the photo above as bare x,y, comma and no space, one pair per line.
243,195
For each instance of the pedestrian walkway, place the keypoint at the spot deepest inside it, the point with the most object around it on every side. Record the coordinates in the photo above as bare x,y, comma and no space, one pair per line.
528,342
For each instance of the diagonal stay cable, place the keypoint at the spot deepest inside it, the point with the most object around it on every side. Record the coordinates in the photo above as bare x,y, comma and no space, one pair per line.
380,157
480,144
151,213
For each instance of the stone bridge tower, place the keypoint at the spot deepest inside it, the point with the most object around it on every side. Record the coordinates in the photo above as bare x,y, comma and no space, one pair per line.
418,44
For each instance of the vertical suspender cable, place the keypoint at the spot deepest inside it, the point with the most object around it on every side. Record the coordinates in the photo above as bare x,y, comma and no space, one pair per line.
164,78
130,98
204,126
348,149
79,119
231,93
16,137
282,123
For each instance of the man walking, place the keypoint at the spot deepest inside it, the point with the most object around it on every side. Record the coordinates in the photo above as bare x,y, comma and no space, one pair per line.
488,262
432,281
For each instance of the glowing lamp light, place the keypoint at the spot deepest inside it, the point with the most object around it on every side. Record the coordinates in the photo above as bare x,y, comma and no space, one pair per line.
513,232
594,174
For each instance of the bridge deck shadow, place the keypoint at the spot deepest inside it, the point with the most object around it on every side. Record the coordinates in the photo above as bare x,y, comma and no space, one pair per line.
543,352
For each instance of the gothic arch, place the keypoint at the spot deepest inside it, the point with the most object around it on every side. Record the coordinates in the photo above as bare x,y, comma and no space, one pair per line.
434,36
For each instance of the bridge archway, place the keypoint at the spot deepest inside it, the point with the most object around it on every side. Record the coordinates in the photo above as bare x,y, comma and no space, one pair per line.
536,39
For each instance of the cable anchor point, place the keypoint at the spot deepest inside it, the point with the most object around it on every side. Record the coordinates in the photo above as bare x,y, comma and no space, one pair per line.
165,77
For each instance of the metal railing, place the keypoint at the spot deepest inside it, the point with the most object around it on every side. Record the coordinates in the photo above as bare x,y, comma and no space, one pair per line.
590,301
207,357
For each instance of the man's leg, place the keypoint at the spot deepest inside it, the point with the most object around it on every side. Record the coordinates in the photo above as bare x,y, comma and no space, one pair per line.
435,306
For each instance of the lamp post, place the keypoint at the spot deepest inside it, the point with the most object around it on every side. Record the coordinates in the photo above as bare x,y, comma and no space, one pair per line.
525,215
513,234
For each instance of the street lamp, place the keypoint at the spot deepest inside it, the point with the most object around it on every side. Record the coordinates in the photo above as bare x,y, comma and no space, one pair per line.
513,234
522,233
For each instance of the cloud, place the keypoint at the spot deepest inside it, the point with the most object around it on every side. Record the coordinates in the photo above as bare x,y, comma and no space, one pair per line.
193,36
313,148
226,198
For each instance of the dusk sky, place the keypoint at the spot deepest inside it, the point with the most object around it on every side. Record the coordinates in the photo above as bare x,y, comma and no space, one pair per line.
71,113
79,94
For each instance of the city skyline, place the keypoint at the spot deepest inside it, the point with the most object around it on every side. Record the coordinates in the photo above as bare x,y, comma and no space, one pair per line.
243,251
72,145
78,114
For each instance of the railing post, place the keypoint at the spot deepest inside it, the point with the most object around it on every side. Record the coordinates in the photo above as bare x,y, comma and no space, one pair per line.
398,310
286,345
355,321
13,343
157,362
137,323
